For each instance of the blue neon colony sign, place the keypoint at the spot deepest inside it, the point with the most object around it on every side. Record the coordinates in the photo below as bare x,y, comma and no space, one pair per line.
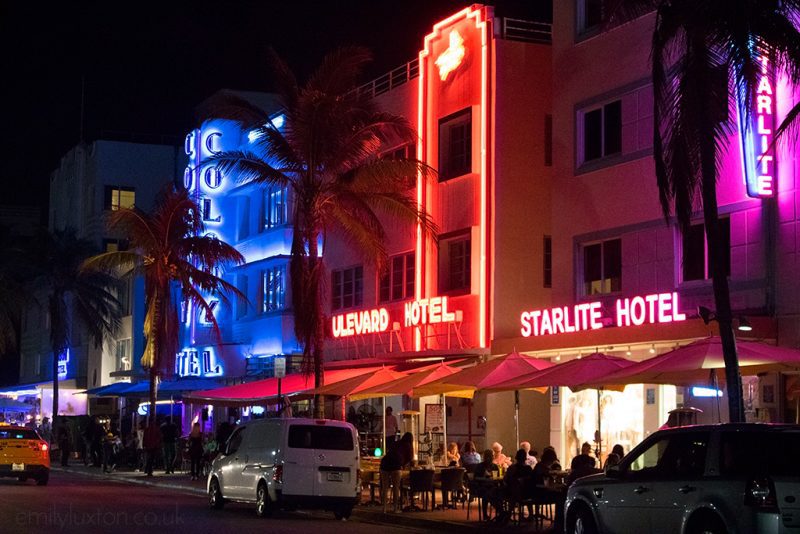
63,361
205,183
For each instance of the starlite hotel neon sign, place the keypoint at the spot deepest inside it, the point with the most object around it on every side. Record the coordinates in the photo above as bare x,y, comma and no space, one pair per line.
757,134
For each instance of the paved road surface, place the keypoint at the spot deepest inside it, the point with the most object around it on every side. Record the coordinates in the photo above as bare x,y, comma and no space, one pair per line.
75,503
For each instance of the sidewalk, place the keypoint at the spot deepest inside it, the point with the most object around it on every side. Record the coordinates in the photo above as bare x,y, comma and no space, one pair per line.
436,520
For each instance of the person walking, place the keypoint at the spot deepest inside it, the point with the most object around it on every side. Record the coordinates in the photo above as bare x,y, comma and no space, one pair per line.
196,450
169,435
140,447
399,455
152,444
64,439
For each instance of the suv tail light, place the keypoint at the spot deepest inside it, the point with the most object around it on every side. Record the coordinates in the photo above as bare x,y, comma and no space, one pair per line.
760,492
277,475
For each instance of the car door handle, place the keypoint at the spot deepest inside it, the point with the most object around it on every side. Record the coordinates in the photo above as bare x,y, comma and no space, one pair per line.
640,489
686,489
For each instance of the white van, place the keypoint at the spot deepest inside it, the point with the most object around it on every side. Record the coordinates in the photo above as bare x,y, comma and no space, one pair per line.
289,463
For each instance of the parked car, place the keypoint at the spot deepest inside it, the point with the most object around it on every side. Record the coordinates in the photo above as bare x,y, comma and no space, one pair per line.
289,463
24,454
736,478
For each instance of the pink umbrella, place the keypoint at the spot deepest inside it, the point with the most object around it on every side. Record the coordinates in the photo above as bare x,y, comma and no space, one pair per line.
696,361
484,376
572,374
405,385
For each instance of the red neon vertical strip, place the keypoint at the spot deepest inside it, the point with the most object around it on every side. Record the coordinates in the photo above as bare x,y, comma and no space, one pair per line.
418,260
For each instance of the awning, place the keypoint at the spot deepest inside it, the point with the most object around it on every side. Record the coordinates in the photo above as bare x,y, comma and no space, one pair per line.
260,391
109,390
172,389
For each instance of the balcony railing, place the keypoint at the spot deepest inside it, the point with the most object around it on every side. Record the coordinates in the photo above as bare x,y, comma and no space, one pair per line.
526,30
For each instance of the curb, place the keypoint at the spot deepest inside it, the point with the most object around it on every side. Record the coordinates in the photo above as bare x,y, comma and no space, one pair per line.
131,480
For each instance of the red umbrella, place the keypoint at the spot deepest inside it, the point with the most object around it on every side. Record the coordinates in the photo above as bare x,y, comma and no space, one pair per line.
405,385
572,374
694,362
351,386
261,391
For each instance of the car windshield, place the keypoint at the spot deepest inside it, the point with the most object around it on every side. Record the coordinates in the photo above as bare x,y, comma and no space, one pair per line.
17,433
335,438
770,453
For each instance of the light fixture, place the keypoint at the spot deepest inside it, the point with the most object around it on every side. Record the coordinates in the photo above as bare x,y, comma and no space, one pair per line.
628,352
744,324
580,355
706,314
558,357
653,349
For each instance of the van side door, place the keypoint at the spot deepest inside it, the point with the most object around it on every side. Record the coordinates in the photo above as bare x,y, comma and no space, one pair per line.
299,465
233,465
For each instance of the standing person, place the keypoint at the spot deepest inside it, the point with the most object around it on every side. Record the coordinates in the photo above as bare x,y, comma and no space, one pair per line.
391,427
64,438
46,431
98,435
140,447
196,450
152,444
169,435
398,456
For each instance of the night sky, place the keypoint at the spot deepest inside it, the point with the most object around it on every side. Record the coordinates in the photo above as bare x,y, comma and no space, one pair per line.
145,65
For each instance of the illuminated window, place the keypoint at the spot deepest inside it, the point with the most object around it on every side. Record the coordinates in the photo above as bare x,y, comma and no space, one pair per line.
455,264
398,283
114,245
123,354
273,283
696,263
119,197
275,207
547,255
455,145
602,267
347,288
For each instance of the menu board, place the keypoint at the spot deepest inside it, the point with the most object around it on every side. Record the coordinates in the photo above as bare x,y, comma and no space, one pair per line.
434,418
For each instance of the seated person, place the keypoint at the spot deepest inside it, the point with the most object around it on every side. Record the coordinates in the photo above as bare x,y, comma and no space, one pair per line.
547,464
500,459
612,460
453,456
518,484
582,465
532,459
470,456
482,473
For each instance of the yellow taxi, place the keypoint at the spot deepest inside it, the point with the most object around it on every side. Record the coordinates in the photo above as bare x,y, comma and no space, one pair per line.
24,454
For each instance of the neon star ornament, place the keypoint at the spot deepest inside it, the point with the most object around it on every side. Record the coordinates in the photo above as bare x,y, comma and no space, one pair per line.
450,59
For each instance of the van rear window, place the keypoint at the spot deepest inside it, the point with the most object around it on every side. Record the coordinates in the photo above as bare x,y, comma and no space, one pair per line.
18,433
770,453
333,438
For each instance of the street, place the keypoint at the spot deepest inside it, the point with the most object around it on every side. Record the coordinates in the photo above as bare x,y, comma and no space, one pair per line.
76,503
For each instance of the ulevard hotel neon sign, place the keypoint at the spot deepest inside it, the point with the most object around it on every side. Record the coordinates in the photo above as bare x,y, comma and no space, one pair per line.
415,313
634,311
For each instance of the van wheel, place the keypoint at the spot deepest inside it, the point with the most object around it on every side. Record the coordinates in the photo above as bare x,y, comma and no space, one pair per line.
215,499
263,504
343,513
707,523
42,480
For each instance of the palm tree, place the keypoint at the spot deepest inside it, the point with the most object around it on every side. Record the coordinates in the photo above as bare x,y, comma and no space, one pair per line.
74,292
167,248
693,42
328,154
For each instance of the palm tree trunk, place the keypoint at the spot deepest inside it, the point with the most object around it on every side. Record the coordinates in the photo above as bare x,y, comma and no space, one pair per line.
317,338
719,278
55,386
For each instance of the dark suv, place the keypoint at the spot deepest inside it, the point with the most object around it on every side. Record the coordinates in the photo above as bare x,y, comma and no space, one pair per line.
741,477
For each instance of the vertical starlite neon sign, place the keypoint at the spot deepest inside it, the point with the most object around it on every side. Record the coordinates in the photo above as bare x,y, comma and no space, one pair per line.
758,158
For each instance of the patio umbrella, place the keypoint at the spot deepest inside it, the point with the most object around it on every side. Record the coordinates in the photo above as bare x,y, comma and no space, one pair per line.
10,405
355,385
572,374
484,376
692,363
406,384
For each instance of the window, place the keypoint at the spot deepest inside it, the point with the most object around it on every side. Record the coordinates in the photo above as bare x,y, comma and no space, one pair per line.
119,197
547,256
115,245
241,300
398,283
347,288
331,438
206,209
455,145
590,14
696,262
123,354
602,267
455,264
602,131
275,207
273,282
244,218
676,456
235,441
402,152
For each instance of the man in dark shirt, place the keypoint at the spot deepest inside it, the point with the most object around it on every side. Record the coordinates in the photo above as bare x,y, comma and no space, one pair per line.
169,435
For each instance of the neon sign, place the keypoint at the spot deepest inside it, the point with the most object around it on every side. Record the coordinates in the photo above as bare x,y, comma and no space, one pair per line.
655,308
63,360
428,311
756,136
361,322
193,362
450,59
